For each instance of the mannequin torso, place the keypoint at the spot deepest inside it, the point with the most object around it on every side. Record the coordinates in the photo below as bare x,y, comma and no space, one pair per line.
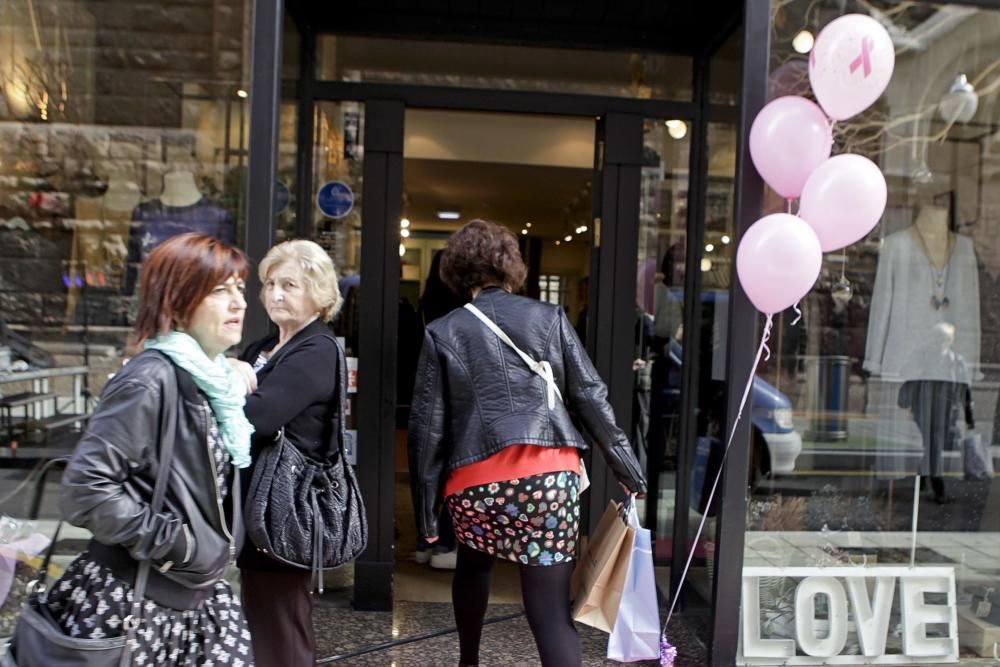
179,189
931,230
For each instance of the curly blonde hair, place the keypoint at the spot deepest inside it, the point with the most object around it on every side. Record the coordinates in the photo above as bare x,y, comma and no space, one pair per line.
318,272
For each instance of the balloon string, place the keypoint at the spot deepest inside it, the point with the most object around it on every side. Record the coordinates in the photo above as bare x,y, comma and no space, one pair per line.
788,206
798,314
718,476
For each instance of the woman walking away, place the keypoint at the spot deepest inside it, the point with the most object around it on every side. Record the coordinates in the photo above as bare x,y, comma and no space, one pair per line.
191,308
296,376
491,437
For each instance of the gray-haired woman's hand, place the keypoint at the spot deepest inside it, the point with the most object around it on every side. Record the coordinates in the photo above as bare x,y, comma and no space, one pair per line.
245,371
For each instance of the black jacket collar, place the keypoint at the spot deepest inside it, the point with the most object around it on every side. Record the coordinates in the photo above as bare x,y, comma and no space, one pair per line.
314,328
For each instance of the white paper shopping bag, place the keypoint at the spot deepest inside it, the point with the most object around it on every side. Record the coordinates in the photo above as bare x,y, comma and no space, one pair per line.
636,635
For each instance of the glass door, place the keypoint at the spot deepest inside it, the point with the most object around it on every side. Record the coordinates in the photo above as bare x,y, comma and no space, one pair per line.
530,173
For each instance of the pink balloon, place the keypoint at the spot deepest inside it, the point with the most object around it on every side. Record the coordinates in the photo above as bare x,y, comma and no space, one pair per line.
850,65
789,138
843,200
778,261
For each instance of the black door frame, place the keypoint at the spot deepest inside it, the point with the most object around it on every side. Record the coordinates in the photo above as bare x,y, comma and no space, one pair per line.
622,121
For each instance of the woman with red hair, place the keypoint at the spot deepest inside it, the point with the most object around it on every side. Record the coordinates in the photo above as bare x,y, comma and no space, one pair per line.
179,389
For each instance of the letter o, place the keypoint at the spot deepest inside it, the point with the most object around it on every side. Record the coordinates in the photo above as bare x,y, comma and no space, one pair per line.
805,615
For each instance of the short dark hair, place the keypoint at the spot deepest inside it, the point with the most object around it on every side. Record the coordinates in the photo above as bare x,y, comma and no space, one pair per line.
482,254
176,278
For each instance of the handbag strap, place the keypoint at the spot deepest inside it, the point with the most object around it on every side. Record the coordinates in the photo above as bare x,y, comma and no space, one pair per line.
338,445
542,368
168,412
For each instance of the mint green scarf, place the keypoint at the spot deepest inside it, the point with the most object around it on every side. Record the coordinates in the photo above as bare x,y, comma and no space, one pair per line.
225,389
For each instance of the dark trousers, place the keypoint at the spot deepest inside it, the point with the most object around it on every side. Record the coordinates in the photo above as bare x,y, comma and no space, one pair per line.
279,610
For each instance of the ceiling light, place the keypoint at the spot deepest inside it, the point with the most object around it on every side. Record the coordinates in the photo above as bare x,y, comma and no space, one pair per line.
568,238
709,248
405,233
404,223
725,240
677,129
583,228
528,225
448,215
558,242
960,103
706,264
524,232
402,249
242,93
803,42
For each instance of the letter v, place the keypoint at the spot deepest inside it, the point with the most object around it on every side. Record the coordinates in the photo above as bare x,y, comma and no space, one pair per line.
871,617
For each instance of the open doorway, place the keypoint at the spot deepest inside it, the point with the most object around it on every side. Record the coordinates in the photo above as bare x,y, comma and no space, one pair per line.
530,173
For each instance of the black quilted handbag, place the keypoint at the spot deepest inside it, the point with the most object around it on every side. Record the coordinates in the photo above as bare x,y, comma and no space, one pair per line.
303,512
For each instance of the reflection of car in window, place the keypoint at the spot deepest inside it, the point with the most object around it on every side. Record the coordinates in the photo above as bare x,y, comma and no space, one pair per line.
776,442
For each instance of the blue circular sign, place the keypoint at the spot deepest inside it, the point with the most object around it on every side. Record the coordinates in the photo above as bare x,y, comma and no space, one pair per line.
335,199
281,197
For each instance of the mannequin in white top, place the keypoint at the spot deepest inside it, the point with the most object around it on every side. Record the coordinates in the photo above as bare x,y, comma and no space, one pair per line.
926,274
179,189
924,335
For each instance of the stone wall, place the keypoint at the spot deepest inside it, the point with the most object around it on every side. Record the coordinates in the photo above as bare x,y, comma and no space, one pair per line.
116,62
132,90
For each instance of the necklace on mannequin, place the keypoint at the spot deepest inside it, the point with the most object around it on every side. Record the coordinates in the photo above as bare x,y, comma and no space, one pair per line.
939,276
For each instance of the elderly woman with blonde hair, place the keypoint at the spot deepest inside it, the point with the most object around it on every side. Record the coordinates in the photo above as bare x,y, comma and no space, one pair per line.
293,380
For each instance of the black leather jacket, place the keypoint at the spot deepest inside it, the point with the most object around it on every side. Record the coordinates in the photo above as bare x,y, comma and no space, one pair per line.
474,396
108,485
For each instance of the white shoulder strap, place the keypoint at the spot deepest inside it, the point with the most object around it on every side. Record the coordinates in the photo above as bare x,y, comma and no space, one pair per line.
542,368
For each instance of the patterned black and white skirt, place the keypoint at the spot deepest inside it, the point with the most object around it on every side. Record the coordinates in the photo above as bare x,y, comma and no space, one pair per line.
88,601
532,520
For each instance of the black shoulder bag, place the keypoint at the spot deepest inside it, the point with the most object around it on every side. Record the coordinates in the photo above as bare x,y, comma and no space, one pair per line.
307,513
39,641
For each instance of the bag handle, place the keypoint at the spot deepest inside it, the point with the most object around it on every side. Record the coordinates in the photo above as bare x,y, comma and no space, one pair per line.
37,585
542,368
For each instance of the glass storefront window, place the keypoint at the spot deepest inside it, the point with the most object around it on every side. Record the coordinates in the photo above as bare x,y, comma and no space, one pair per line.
659,318
502,67
892,372
118,129
338,154
657,397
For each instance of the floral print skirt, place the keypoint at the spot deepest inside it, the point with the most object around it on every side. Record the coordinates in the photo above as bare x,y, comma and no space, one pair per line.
532,520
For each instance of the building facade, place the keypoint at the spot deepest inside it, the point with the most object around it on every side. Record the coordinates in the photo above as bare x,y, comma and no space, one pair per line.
611,137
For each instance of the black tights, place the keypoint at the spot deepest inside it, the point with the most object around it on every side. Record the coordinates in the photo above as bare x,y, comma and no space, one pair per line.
545,591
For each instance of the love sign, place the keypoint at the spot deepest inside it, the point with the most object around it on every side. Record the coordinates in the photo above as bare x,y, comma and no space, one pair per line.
857,601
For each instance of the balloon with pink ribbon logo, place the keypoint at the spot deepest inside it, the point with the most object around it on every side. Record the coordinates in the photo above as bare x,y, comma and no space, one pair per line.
788,139
843,200
778,262
850,65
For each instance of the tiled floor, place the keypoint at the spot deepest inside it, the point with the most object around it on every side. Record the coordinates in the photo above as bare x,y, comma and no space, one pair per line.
421,635
419,632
